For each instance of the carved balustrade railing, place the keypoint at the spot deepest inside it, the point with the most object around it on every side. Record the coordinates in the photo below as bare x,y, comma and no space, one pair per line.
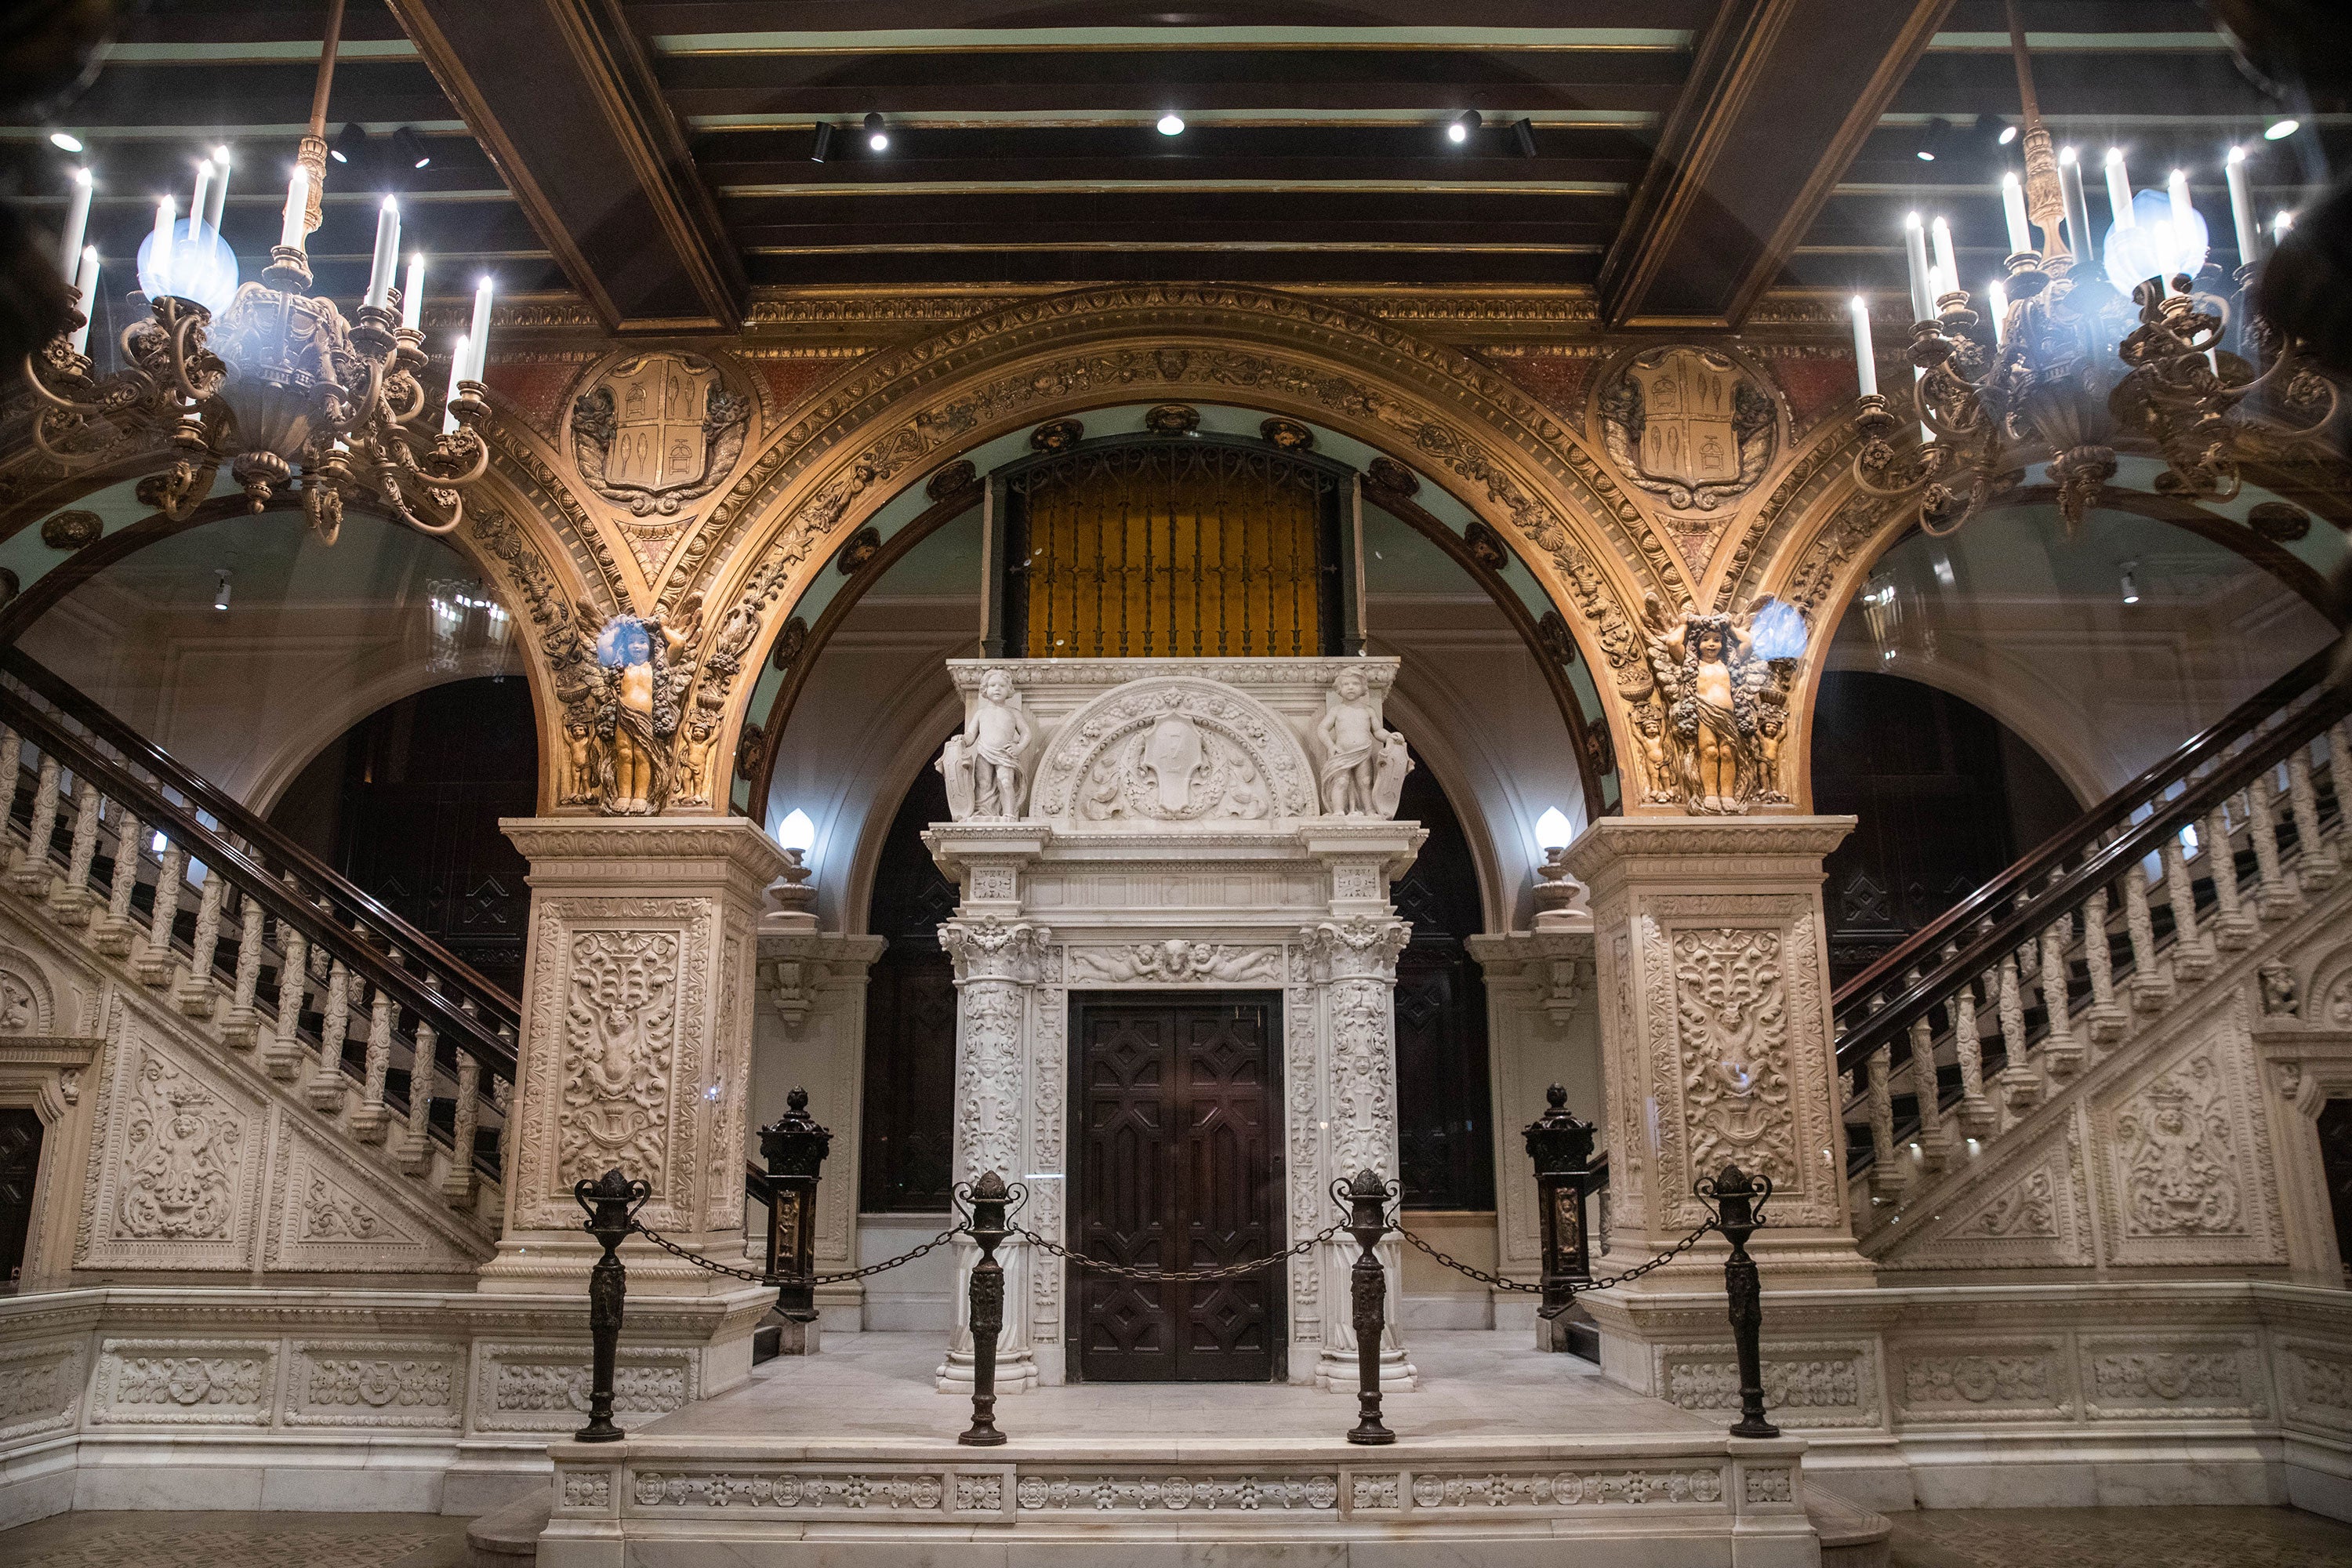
1958,1033
381,1028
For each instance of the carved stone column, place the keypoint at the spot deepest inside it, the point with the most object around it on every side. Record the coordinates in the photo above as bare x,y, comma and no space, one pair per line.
1715,1029
997,965
810,1032
637,1042
1542,1028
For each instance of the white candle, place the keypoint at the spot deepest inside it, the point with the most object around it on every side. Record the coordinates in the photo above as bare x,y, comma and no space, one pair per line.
196,203
2187,256
387,253
76,224
1865,357
1997,295
1945,262
160,257
297,210
2013,207
86,287
2078,210
412,292
457,358
2119,189
2241,207
479,333
219,197
1915,251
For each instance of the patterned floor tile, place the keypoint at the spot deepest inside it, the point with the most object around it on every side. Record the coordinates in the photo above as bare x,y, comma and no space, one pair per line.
237,1540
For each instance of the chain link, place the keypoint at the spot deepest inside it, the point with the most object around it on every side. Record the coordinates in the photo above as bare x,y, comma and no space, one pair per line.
761,1277
1497,1282
1229,1271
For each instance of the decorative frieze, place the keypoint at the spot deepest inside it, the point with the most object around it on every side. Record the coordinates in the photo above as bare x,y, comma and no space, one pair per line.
41,1388
341,1384
2138,1383
1805,1384
544,1388
206,1383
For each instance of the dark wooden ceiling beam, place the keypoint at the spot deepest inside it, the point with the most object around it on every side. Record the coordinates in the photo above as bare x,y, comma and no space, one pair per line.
668,16
1121,264
562,95
1780,96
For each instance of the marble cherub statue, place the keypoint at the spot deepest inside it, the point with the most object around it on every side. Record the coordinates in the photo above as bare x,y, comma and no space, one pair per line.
1364,764
982,763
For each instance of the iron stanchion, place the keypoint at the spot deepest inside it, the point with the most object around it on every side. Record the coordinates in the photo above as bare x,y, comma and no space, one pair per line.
794,1147
1737,1201
1366,1199
989,1196
1562,1148
612,1202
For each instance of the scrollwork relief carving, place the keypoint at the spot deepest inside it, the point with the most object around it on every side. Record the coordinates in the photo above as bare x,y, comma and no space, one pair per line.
2178,1152
1734,1051
180,1159
619,1034
1178,961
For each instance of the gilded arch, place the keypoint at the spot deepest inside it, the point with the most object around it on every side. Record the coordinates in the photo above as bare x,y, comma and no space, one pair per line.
889,423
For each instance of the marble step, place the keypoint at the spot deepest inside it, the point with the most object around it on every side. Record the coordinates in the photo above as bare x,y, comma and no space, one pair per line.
508,1537
1852,1537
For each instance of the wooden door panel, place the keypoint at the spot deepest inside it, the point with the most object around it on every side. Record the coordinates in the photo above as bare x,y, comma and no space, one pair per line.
1176,1169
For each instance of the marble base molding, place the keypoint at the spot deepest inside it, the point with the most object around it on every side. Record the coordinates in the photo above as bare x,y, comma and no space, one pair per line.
2077,1395
1496,1504
342,1400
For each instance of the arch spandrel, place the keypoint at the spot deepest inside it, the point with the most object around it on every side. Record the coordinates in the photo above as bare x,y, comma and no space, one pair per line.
888,424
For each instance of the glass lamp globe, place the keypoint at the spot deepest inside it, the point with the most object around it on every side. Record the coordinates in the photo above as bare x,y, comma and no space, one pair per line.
796,831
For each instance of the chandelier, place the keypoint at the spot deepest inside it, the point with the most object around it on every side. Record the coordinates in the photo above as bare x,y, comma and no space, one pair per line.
2068,362
264,376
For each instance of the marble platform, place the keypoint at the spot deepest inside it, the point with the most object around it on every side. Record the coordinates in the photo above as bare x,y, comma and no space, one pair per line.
1504,1458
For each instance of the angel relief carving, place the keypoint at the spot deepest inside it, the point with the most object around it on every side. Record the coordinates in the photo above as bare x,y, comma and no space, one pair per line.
981,762
1712,709
1364,764
623,691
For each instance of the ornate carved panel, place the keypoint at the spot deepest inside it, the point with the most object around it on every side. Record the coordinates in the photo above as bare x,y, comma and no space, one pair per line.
1806,1383
544,1387
342,1383
185,1383
1972,1380
177,1167
2186,1167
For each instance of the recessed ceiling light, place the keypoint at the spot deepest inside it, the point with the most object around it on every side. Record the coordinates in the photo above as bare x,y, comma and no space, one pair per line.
2279,129
1171,124
65,141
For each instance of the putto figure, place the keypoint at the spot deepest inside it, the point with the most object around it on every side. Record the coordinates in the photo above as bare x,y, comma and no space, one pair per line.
1715,716
982,765
1363,764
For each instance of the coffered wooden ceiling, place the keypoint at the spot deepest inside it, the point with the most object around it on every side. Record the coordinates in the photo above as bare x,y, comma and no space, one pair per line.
1681,156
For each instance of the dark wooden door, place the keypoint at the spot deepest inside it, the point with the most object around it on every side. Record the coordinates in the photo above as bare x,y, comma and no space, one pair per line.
20,1165
1178,1167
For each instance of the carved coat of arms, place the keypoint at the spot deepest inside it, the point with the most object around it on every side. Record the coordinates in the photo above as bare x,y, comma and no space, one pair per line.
1689,424
656,431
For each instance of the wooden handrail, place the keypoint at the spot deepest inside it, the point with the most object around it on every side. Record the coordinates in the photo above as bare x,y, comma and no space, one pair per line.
257,831
2033,870
465,1031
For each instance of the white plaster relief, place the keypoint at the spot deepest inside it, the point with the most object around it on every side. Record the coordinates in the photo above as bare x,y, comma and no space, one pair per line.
200,1383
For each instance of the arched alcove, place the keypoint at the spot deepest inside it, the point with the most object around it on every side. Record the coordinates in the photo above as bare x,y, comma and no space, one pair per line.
406,803
1945,796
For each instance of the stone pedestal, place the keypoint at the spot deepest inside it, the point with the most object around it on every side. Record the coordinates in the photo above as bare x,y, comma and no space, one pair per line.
637,1042
810,1032
1714,982
1542,1028
1172,840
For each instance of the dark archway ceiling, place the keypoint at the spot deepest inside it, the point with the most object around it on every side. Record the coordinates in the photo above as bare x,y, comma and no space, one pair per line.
654,155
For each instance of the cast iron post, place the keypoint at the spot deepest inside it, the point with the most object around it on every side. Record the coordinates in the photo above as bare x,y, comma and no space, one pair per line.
1562,1148
989,1196
794,1147
1737,1201
612,1202
1367,1197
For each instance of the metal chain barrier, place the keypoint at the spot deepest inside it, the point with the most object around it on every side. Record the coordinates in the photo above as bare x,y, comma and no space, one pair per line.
1497,1282
761,1277
1227,1271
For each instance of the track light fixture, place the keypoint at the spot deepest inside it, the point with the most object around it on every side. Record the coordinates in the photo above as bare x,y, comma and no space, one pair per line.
1523,132
1463,123
409,148
823,147
1939,131
2276,131
1171,124
878,135
2131,584
65,141
349,144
